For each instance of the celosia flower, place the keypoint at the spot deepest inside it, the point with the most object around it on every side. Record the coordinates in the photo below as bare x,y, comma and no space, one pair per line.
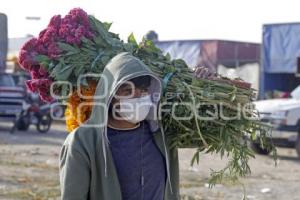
55,21
69,29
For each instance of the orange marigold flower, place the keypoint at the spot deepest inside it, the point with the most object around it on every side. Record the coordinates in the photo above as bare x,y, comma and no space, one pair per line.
77,112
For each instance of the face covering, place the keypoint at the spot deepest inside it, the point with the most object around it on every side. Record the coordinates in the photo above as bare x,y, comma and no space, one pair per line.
136,109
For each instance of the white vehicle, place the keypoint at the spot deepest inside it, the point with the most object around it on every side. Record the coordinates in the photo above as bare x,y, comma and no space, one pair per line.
284,115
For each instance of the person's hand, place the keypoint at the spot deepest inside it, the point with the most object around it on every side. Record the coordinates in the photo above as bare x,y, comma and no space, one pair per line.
204,73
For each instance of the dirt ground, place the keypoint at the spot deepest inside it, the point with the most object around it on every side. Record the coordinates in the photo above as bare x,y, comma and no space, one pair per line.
29,170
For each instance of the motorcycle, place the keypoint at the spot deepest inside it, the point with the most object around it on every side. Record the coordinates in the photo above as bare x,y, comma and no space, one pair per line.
33,112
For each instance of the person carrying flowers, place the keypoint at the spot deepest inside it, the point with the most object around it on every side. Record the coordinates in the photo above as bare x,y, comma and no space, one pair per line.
122,145
120,152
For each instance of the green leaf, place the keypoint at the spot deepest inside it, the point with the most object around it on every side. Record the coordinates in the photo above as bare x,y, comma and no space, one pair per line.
86,50
79,70
168,57
195,158
232,98
149,45
253,135
128,47
42,59
105,59
51,66
45,65
99,27
64,73
56,70
61,72
114,35
96,59
67,47
86,41
107,25
100,41
131,39
70,53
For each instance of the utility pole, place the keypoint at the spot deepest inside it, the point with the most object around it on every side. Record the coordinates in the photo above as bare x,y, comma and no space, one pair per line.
3,41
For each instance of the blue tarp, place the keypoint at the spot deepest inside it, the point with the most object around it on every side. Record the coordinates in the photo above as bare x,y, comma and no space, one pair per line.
281,47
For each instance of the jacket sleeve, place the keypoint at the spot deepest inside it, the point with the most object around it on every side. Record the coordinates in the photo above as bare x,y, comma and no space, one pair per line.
74,172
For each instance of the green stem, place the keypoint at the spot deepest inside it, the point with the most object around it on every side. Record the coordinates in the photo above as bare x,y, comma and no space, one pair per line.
195,114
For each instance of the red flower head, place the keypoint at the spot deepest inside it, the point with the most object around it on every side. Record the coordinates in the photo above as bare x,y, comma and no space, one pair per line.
32,85
42,72
50,35
42,86
44,90
53,50
27,54
30,45
69,29
55,21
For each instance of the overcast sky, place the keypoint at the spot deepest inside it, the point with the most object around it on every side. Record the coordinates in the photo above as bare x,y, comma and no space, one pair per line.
172,19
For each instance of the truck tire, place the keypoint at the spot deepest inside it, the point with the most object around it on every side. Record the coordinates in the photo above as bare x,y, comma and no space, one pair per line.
297,145
257,149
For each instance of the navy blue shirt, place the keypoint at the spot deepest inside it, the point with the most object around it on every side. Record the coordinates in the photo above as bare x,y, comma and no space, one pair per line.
139,163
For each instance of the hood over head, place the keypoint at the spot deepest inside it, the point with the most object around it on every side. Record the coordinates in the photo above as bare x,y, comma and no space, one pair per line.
120,69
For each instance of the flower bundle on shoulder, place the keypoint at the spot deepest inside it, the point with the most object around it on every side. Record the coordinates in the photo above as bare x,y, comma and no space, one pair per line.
78,44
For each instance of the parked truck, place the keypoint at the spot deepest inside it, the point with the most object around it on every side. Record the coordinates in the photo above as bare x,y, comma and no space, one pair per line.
284,115
279,74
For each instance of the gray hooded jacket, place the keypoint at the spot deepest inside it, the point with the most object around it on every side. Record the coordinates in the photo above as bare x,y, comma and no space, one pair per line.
87,170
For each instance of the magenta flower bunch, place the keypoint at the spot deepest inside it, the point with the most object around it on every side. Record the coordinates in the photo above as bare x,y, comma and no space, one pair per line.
69,30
